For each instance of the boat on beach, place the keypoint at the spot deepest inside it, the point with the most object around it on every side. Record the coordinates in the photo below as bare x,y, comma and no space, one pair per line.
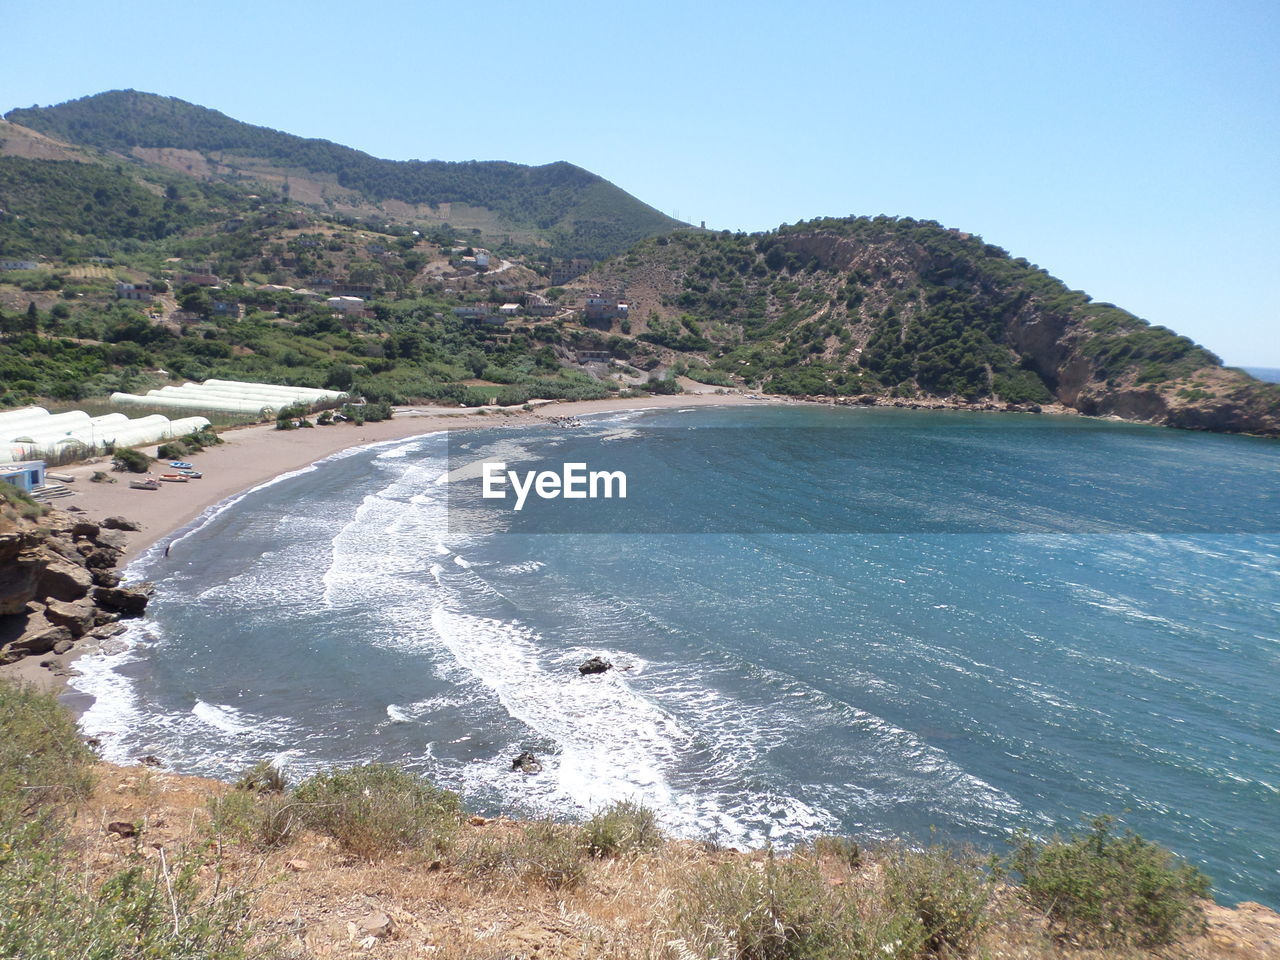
174,477
146,484
180,464
193,474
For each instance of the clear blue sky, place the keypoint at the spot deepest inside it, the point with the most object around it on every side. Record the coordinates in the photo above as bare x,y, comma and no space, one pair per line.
1132,149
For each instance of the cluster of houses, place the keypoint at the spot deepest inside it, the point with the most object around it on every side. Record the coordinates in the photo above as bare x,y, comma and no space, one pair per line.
7,265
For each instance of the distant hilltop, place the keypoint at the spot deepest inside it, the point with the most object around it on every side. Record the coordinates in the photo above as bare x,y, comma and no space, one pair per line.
558,204
866,307
143,238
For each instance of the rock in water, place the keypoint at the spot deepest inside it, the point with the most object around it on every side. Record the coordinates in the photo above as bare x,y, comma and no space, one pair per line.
526,763
595,665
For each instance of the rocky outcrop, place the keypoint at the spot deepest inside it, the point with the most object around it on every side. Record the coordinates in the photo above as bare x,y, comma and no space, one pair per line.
21,566
595,665
57,583
125,601
527,763
63,580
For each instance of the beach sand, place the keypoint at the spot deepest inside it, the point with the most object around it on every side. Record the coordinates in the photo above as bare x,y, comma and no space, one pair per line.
253,455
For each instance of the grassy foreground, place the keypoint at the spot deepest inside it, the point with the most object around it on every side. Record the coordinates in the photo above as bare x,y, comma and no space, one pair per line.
98,861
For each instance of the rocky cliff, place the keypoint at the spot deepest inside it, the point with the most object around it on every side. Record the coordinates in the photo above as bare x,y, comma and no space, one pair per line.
58,584
907,309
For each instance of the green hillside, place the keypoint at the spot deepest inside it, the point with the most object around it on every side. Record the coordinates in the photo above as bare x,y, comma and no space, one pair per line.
580,213
63,208
907,309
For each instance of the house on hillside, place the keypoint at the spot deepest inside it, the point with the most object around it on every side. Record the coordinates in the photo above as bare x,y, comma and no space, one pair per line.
599,307
19,265
227,309
593,356
345,288
562,271
197,277
141,292
349,305
509,309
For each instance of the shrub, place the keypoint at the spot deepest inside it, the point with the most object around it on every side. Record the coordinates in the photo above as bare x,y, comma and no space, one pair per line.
265,820
1115,888
128,460
551,854
20,500
544,852
776,910
948,893
843,850
50,910
377,809
263,777
620,829
173,450
42,758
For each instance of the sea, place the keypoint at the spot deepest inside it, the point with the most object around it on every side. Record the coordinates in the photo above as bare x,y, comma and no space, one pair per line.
887,623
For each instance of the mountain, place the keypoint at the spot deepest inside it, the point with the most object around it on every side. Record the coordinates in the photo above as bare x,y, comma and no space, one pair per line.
907,309
575,212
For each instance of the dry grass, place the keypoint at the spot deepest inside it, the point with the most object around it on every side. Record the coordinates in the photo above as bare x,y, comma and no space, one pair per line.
496,893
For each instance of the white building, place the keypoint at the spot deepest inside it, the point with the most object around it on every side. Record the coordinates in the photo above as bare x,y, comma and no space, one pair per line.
19,265
346,304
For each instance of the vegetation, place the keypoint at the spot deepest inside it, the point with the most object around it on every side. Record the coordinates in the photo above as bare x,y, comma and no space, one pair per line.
624,828
1109,887
127,460
830,899
375,809
582,214
48,909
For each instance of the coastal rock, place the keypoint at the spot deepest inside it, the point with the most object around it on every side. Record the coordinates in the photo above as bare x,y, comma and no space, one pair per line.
42,639
127,601
101,559
113,540
76,617
120,523
63,580
19,581
527,763
107,630
105,578
123,828
84,528
595,665
64,548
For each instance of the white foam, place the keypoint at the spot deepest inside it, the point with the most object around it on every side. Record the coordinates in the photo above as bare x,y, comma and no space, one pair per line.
224,718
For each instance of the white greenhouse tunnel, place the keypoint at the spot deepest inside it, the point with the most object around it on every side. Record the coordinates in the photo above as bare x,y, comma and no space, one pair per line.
260,400
35,434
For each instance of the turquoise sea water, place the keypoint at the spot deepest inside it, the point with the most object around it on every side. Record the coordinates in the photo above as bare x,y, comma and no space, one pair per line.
874,621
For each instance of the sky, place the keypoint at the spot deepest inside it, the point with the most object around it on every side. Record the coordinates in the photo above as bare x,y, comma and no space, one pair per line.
1130,148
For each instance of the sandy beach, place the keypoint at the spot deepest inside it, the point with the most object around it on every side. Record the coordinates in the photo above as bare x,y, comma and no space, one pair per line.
253,455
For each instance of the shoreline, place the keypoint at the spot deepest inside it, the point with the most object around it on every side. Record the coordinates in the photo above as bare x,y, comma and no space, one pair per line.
253,455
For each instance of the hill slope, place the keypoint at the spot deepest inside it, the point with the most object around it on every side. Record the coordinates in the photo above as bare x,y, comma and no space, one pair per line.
909,309
577,212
